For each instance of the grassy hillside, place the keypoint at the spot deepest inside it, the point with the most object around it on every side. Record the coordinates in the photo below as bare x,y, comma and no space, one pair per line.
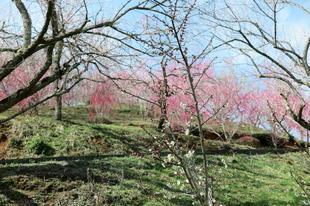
75,162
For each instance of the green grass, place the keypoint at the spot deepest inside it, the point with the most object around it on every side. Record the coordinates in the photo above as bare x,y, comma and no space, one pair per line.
259,180
86,175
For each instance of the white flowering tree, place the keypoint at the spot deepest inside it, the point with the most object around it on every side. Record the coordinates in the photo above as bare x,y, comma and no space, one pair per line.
174,45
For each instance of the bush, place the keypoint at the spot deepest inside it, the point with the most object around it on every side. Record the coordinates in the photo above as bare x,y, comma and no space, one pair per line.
39,146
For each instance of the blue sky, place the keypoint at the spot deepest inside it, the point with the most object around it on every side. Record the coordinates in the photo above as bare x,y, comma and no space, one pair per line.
295,25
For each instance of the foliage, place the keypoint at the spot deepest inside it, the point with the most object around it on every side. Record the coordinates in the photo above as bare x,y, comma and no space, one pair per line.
39,146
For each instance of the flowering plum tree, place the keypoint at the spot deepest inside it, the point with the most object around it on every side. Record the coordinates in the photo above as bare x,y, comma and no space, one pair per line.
228,106
102,100
279,102
19,79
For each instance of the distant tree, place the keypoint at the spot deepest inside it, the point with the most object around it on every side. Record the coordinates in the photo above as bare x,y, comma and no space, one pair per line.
227,95
102,99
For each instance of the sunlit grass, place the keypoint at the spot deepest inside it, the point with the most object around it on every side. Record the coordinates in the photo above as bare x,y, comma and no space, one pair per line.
130,179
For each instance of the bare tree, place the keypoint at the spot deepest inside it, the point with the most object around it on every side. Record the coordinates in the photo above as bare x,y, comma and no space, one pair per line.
55,40
56,60
254,29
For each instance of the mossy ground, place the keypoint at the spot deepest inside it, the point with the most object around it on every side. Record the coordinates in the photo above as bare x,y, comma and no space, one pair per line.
126,176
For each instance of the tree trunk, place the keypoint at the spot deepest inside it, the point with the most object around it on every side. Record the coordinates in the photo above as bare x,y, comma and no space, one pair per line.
58,108
308,141
162,120
57,27
164,93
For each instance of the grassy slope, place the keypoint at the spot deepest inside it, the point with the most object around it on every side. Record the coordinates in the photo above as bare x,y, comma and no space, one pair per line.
129,180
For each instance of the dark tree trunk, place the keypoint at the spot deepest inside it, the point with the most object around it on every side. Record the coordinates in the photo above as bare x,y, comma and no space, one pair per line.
162,120
163,98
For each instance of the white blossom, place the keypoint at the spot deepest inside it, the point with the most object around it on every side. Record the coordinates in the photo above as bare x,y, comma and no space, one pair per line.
167,125
169,158
224,163
171,144
190,154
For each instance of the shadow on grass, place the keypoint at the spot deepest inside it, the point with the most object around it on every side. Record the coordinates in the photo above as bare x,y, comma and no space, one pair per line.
261,203
87,169
15,196
58,158
256,174
131,144
102,169
71,171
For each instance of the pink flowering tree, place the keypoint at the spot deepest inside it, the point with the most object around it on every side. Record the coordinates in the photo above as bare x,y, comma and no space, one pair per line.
102,99
281,103
20,78
227,106
274,55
